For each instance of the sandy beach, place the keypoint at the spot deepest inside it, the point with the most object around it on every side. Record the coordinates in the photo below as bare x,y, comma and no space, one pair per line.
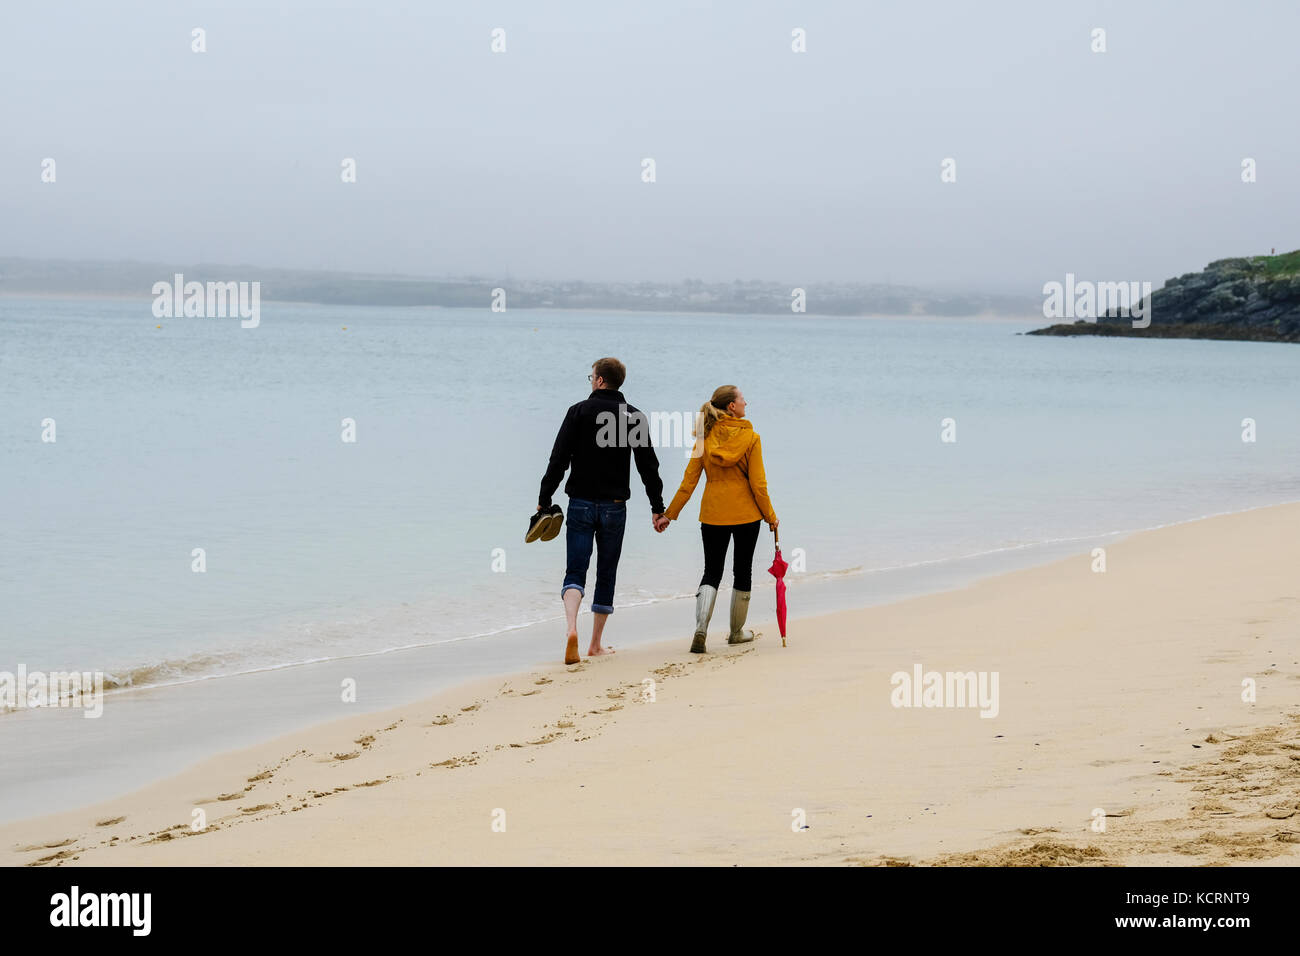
1120,697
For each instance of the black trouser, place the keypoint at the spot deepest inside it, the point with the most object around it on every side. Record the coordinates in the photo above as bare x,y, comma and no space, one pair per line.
715,538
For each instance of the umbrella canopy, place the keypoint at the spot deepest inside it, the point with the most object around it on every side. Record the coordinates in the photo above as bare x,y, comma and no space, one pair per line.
777,570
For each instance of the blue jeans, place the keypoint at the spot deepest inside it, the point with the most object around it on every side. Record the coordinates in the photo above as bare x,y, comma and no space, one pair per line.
601,522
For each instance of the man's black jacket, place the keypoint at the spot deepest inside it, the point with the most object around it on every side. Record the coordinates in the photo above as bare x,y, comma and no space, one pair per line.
599,468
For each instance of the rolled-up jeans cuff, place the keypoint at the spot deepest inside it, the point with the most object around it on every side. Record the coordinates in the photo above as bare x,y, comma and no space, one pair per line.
577,587
602,609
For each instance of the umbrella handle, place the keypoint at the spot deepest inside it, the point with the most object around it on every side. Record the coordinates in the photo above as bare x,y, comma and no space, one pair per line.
776,538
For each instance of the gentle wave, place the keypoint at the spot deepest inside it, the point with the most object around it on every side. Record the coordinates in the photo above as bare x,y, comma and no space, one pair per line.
204,667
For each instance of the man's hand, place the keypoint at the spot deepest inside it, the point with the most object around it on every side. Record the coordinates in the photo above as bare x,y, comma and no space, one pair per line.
659,522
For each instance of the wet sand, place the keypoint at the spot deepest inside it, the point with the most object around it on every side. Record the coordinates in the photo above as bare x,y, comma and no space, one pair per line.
1120,698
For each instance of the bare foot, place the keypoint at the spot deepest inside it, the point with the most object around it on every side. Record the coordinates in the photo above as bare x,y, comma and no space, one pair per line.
571,655
598,651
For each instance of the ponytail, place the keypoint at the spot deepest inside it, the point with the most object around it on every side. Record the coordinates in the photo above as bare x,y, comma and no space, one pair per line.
714,409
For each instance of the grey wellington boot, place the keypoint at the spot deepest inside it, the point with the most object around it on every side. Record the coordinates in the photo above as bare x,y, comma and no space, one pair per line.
704,599
739,610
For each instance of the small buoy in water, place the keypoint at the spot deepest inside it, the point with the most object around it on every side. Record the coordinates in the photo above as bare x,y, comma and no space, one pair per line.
157,326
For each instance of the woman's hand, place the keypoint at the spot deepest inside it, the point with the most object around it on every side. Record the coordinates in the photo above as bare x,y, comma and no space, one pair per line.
773,523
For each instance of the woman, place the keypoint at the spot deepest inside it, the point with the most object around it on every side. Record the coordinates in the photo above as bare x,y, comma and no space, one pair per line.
728,451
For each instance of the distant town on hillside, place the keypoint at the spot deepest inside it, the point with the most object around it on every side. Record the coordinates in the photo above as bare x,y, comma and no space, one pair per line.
753,296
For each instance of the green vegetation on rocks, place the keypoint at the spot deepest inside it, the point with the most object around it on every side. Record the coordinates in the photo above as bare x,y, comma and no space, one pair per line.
1254,299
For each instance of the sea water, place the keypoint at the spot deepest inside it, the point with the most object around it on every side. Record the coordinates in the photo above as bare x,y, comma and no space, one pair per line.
200,514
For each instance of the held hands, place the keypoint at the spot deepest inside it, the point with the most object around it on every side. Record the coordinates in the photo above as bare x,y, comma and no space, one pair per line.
660,522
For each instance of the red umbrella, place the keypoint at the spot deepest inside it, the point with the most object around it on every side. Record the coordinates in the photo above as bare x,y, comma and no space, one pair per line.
777,570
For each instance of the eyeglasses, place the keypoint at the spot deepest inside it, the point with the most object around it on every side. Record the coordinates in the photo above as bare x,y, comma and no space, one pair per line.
592,379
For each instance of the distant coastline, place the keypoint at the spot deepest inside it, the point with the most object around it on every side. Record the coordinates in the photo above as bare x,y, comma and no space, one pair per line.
125,280
545,309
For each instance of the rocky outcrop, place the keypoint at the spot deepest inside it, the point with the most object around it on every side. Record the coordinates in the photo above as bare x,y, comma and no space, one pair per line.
1253,299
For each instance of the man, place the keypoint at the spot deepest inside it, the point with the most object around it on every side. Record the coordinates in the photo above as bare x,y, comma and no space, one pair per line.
595,441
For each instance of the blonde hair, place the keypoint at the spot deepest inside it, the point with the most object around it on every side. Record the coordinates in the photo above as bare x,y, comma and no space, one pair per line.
714,409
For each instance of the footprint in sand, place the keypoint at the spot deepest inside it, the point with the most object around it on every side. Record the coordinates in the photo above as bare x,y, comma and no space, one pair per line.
111,821
264,775
470,708
442,720
365,741
454,762
62,855
542,680
47,846
319,794
179,829
348,756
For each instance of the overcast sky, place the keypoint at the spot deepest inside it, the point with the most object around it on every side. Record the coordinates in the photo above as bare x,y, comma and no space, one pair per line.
770,164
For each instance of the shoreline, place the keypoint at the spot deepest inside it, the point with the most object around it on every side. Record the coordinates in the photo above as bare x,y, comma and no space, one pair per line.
1209,332
554,619
162,729
484,745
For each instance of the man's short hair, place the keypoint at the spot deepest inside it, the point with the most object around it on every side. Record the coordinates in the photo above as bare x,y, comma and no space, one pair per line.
611,370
